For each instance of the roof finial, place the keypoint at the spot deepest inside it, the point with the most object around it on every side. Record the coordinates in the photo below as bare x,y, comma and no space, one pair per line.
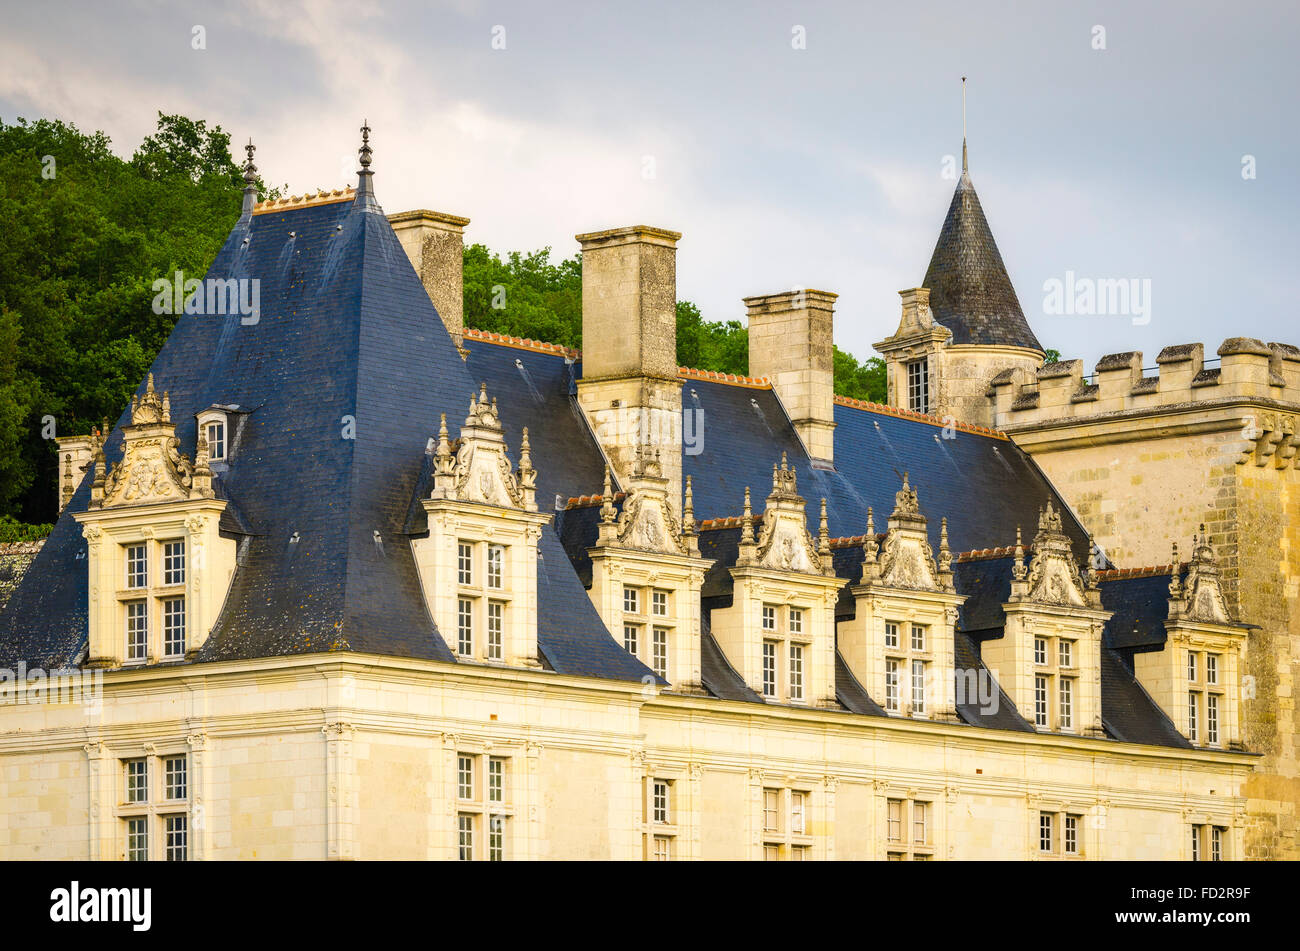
964,169
365,151
365,197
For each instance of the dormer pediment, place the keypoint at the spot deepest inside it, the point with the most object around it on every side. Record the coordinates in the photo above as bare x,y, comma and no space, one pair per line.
1199,596
480,470
784,542
1052,576
906,560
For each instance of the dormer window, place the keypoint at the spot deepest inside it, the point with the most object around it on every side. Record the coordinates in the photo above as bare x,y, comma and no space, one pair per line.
160,606
216,433
918,386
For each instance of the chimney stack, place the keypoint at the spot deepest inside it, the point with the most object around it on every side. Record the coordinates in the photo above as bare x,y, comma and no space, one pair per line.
629,389
790,343
435,243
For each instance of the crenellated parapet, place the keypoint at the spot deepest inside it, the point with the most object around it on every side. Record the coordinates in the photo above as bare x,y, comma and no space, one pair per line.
1245,371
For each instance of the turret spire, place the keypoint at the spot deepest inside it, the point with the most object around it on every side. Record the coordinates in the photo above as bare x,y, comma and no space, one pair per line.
964,167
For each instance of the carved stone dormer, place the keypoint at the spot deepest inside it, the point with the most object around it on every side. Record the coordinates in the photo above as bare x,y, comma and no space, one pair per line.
647,573
1196,677
478,564
1048,659
900,642
159,567
779,632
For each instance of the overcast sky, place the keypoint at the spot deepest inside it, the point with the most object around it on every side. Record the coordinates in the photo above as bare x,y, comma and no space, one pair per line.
821,167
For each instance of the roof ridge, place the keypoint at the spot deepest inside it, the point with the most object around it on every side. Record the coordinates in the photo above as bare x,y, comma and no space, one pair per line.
718,376
872,407
306,200
522,343
1147,571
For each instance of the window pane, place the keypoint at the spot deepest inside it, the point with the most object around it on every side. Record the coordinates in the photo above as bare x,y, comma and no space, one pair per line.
1040,651
175,780
496,838
1045,832
659,796
798,813
496,780
769,618
465,777
796,672
137,630
1193,701
1212,718
216,440
137,780
465,627
174,562
464,563
465,831
920,827
659,603
173,627
1066,651
1072,834
1040,702
895,820
771,810
630,638
496,630
137,839
796,621
891,685
918,686
769,668
177,832
1066,711
918,637
496,557
137,566
891,634
659,651
631,601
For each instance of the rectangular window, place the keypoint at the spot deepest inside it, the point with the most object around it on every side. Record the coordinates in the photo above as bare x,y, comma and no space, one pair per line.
1065,652
137,780
796,672
894,824
175,780
918,637
1040,701
1193,701
659,802
1212,718
769,668
496,838
631,601
659,651
920,823
137,566
1191,667
464,563
661,849
137,630
465,777
1072,835
137,839
496,780
796,621
1196,843
496,560
918,687
891,634
659,603
771,810
630,638
174,562
891,686
216,441
798,853
465,830
1211,669
918,387
176,829
1045,837
799,813
1040,651
1065,712
496,630
173,627
771,853
769,618
465,627
1216,844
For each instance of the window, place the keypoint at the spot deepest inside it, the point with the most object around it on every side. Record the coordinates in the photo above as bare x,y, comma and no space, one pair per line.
1072,835
769,668
771,810
496,559
1216,844
137,566
918,687
176,830
660,802
895,821
496,838
891,634
496,779
1065,652
1212,719
137,780
769,618
798,813
891,685
918,637
771,853
631,601
658,830
174,562
137,630
1191,667
465,830
796,672
796,621
787,824
1045,837
920,823
1196,843
465,777
1040,701
1065,710
659,603
465,627
630,638
216,440
799,853
174,777
918,387
907,829
464,563
1040,651
1193,702
1212,669
137,839
659,651
1208,840
661,848
495,630
174,627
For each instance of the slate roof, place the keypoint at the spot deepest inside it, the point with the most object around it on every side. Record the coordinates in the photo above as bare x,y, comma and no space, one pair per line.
347,331
970,291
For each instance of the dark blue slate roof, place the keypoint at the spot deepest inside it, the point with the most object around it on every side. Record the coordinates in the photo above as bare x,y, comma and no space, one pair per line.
1141,607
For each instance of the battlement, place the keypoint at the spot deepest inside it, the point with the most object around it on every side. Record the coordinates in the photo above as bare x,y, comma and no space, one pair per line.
1247,370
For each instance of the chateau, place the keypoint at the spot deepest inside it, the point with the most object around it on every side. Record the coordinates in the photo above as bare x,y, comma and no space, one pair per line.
354,581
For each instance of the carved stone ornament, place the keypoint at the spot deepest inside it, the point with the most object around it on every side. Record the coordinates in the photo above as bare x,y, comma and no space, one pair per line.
1053,576
906,560
1202,590
480,470
784,542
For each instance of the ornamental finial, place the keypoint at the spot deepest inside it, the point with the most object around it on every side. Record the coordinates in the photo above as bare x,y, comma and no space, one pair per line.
365,151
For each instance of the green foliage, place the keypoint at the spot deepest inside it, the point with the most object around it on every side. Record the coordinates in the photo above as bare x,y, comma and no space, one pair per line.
861,381
710,345
12,530
1052,356
525,295
79,251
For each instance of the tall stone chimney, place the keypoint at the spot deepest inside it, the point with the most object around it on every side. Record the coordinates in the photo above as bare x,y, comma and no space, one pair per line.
629,389
435,243
790,343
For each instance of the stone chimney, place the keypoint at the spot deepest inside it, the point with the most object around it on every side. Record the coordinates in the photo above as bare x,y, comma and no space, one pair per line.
790,343
629,389
74,456
435,243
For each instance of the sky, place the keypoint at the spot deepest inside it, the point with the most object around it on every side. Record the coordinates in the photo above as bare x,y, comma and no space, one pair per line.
793,144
